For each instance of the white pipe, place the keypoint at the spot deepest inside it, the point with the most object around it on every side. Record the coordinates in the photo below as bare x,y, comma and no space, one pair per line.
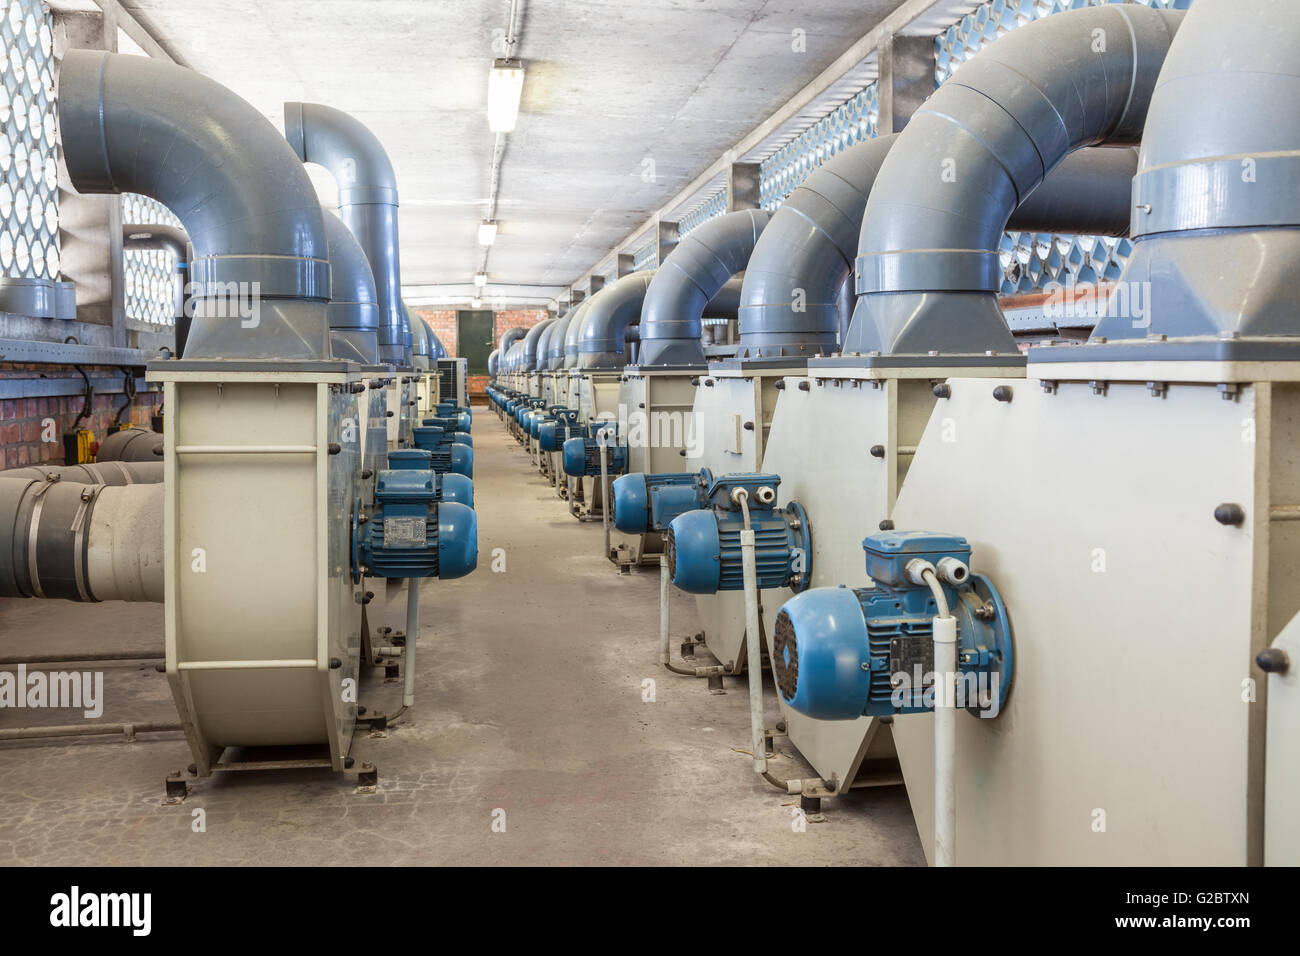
945,728
412,634
664,580
755,659
604,487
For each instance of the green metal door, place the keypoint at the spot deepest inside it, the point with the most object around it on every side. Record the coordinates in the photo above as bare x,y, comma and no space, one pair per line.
474,338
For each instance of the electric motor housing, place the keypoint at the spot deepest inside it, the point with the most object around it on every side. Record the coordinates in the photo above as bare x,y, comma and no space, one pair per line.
644,503
582,456
841,653
447,456
410,534
703,546
450,409
447,487
551,435
458,423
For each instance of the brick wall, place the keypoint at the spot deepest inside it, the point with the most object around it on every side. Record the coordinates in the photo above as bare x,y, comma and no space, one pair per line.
22,420
443,323
524,318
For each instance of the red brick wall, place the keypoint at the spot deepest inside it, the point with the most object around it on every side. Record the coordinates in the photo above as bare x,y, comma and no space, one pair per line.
524,318
22,420
443,323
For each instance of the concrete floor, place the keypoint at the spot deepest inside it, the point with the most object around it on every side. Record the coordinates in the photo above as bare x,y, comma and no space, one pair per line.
529,701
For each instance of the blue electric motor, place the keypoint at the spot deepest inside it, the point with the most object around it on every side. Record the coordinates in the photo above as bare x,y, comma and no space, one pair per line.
582,455
447,455
551,435
703,546
644,503
457,424
410,533
449,409
840,653
541,417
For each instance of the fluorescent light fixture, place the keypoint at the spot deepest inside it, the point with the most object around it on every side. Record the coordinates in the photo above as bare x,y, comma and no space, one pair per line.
476,303
505,86
487,232
480,279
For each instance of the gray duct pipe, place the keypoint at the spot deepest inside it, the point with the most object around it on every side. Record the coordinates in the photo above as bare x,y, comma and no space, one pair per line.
928,270
616,307
367,203
812,240
421,346
790,300
492,363
60,539
354,307
436,349
1216,201
511,336
694,272
528,351
544,343
132,445
555,344
261,267
726,304
573,334
115,473
175,241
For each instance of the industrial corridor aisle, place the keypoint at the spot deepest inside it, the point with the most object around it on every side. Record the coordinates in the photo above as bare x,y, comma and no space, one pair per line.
529,719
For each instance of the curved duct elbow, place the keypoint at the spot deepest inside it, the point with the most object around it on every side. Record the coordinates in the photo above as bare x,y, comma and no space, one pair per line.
492,363
175,242
616,307
555,343
928,270
528,347
354,308
790,300
544,345
260,274
367,203
1216,203
421,339
436,349
573,333
510,337
694,272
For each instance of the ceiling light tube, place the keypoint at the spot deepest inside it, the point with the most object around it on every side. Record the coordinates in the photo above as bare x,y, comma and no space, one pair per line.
480,279
505,87
487,232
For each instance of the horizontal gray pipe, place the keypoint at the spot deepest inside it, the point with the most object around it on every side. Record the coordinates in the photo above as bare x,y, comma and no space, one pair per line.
136,472
354,306
130,444
928,270
81,542
528,350
133,124
612,310
692,274
1216,202
367,203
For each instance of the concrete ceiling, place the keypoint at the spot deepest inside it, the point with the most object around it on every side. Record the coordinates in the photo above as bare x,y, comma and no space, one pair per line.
609,84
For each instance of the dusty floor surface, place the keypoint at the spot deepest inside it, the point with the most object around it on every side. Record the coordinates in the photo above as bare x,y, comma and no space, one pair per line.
529,701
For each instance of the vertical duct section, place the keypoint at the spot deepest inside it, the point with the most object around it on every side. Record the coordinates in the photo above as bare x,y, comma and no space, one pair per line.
555,344
694,272
367,203
928,270
1216,201
260,273
617,306
528,347
573,334
354,307
789,304
421,339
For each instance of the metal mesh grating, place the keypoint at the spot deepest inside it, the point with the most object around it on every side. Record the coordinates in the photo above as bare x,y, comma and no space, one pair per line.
646,257
29,211
148,273
715,206
1032,261
849,124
